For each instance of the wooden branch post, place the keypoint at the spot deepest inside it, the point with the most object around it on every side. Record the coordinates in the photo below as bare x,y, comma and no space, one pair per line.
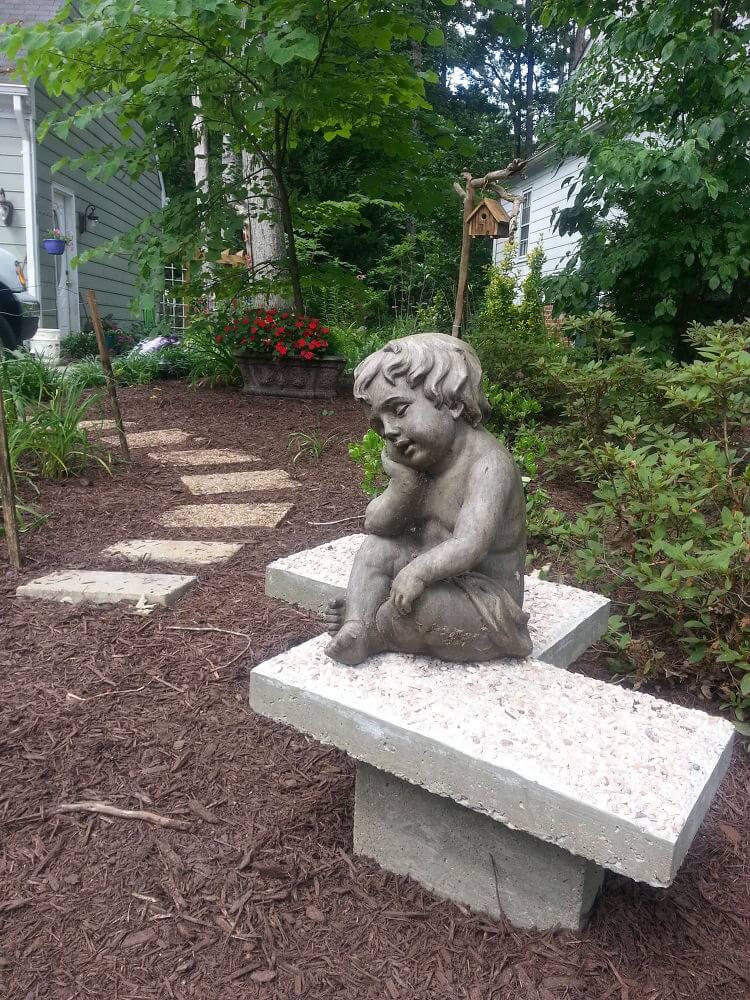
108,373
489,181
7,487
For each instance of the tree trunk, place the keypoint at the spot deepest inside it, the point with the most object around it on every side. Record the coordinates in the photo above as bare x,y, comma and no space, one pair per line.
200,173
529,127
515,104
264,231
291,246
577,45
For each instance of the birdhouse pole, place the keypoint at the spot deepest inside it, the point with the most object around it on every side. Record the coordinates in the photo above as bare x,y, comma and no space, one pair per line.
7,488
467,195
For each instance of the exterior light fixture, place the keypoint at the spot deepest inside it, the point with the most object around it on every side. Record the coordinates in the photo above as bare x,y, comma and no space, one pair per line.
6,209
87,219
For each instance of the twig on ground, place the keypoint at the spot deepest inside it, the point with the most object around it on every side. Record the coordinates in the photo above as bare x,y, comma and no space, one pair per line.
340,520
222,631
107,810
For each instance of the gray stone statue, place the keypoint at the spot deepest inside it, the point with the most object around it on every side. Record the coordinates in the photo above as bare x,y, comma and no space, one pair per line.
441,571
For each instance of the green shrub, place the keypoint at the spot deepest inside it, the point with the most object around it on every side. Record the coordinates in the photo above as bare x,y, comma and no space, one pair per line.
206,360
366,453
136,369
77,345
28,376
669,530
85,374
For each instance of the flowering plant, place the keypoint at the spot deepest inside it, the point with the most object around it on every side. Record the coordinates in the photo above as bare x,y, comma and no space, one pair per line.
274,333
56,234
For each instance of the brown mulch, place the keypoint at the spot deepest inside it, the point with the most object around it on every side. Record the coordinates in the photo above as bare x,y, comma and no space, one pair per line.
261,896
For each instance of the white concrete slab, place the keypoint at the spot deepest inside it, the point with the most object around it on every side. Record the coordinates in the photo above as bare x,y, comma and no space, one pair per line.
239,482
74,586
170,550
564,621
104,425
203,456
226,515
613,775
152,439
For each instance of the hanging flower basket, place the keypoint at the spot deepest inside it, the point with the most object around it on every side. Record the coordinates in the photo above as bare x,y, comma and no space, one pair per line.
55,247
281,354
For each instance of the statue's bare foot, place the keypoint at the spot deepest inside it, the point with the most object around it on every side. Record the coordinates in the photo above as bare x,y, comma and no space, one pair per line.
354,642
333,616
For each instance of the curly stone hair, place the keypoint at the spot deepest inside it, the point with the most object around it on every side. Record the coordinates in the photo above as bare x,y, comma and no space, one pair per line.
446,367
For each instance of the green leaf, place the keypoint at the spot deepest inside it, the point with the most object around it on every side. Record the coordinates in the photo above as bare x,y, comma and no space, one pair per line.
435,37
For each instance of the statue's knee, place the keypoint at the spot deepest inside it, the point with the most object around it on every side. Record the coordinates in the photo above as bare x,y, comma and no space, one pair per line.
379,553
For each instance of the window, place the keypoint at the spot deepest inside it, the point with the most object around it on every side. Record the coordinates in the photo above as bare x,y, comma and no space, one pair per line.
523,232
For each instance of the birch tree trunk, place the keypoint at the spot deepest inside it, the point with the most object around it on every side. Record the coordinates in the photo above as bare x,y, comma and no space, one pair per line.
263,229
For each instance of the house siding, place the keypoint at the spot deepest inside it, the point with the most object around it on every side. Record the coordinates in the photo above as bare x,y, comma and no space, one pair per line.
548,183
120,205
13,237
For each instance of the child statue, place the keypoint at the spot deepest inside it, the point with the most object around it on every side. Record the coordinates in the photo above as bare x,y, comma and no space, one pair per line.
441,571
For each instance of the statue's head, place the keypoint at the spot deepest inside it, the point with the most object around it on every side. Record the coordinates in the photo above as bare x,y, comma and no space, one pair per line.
417,389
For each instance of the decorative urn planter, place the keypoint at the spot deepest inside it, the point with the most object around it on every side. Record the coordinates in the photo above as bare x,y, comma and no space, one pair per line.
293,378
55,247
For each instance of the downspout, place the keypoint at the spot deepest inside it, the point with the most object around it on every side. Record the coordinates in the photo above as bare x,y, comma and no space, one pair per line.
28,151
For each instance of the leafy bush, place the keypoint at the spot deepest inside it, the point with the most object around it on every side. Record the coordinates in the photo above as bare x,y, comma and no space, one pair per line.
366,453
77,345
136,369
510,335
669,530
206,360
28,376
85,374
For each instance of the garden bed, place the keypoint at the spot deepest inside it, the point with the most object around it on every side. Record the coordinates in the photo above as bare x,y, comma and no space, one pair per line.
266,901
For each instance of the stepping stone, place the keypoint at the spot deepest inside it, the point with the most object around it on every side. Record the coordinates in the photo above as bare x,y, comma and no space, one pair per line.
74,586
226,515
240,482
168,550
103,425
205,456
151,439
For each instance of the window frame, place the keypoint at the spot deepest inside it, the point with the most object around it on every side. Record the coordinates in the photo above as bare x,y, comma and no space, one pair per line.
523,238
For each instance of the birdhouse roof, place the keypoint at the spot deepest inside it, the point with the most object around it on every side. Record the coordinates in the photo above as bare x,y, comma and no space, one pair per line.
495,209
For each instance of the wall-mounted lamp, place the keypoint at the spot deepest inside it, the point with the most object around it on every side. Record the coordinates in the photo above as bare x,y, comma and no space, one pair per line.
6,209
87,219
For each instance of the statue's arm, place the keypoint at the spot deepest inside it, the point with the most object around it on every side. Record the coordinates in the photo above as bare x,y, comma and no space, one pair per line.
477,526
397,508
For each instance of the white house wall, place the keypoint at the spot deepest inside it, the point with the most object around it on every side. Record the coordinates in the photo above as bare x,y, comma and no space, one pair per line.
548,192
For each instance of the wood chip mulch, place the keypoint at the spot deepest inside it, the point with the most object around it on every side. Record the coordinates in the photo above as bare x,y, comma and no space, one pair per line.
256,893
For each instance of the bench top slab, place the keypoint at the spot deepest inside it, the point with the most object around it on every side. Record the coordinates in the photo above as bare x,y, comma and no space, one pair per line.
615,776
564,621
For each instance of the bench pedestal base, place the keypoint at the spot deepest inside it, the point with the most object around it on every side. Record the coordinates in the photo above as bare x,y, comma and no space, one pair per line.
468,857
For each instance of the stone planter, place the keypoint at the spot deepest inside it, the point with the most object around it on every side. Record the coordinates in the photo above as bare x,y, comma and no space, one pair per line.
292,378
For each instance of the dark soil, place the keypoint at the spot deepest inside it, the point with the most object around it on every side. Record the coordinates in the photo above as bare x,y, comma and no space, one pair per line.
261,897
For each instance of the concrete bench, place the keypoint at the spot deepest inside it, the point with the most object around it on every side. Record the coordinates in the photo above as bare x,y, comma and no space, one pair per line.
564,621
508,786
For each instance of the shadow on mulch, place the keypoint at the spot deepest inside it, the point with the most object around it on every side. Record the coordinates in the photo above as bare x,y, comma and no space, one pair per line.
261,897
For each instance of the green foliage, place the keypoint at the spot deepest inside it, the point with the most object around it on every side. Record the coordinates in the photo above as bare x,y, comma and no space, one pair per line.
207,361
308,446
510,336
664,218
28,376
85,374
136,369
669,528
366,453
78,345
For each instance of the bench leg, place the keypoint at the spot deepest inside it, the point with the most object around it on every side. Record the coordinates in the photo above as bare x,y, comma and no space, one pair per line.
467,857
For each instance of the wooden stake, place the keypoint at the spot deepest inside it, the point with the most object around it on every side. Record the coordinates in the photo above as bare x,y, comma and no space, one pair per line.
472,183
108,373
8,490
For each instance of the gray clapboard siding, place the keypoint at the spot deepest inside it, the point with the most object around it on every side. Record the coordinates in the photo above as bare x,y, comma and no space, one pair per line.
120,205
13,237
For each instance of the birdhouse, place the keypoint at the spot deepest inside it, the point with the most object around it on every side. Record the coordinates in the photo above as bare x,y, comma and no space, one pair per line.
489,218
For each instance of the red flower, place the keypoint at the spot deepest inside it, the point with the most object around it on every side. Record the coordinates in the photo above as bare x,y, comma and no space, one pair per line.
324,329
244,340
226,329
245,320
280,330
307,355
300,343
253,329
313,324
218,338
324,343
299,324
261,322
281,348
285,315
